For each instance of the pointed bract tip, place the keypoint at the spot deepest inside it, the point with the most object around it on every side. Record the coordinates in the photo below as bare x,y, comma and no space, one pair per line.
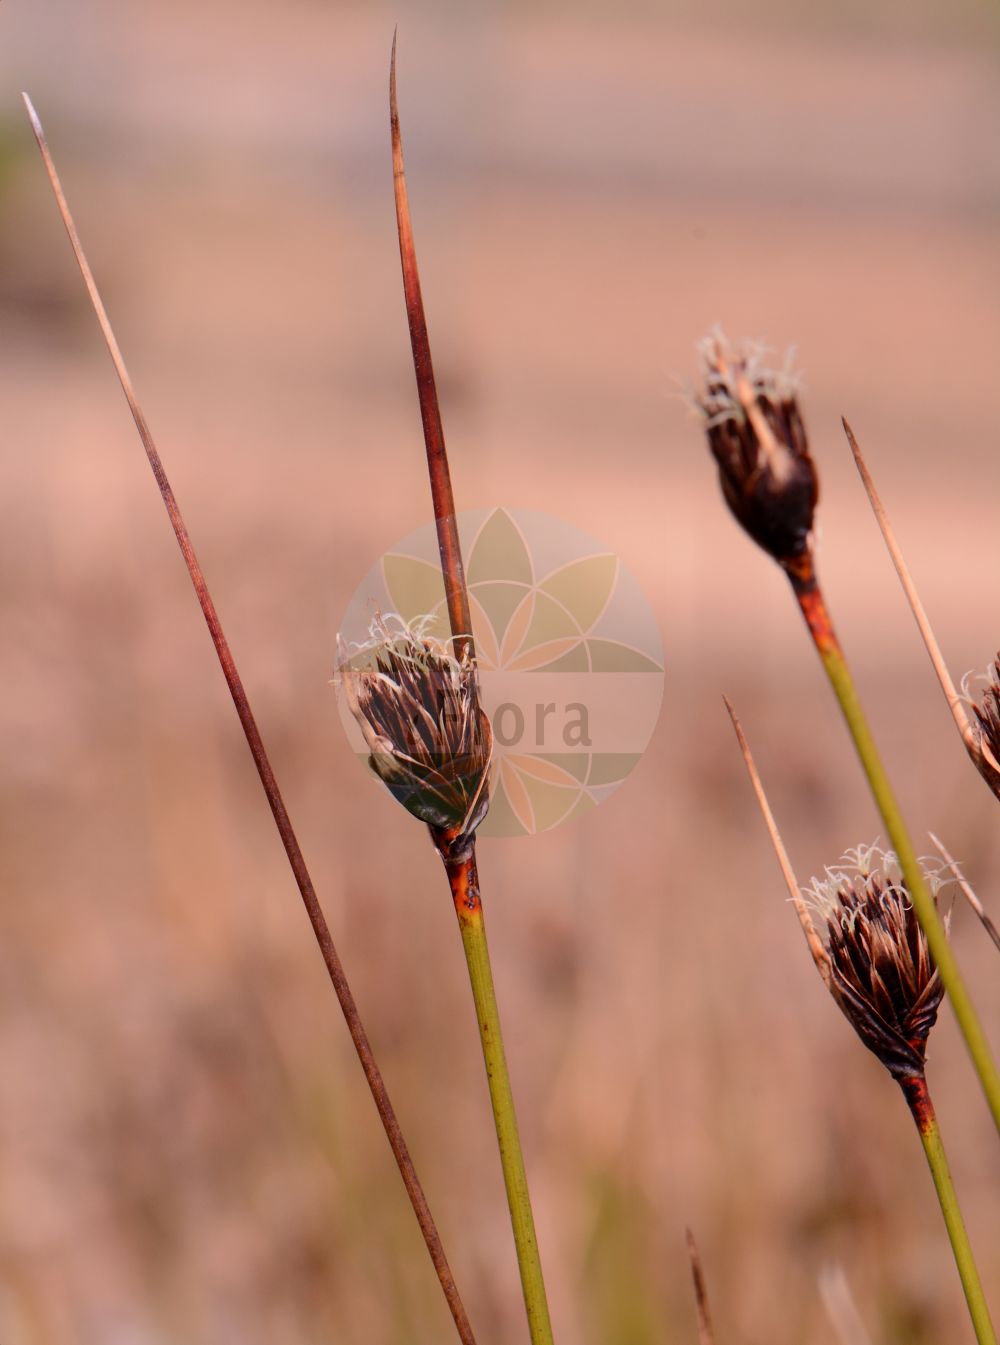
855,446
732,711
705,1333
741,739
32,114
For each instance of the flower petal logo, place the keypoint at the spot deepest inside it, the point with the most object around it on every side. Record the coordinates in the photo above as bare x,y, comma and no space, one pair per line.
570,658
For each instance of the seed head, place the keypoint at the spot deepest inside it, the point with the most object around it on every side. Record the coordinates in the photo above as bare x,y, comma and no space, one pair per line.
987,714
758,438
429,739
881,972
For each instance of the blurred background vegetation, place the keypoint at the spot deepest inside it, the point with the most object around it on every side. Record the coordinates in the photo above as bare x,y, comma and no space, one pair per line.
187,1149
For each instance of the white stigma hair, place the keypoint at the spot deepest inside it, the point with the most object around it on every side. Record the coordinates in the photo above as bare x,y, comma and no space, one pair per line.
409,640
725,369
837,896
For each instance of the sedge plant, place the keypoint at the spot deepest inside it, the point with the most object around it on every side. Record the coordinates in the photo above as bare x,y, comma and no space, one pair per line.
296,860
875,960
417,702
757,436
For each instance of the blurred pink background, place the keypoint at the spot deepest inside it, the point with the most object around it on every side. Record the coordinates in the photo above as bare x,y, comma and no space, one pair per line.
188,1152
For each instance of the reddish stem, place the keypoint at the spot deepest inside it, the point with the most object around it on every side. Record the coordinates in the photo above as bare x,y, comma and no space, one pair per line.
463,877
918,1099
296,860
805,585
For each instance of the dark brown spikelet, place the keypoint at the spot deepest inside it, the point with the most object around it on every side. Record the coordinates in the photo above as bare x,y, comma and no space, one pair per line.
430,741
758,439
882,974
987,712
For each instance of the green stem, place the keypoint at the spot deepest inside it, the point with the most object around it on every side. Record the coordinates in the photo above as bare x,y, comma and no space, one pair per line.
464,879
818,620
922,1110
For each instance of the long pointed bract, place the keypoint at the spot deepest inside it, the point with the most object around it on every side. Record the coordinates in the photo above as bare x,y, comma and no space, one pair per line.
461,868
288,839
971,735
452,567
819,954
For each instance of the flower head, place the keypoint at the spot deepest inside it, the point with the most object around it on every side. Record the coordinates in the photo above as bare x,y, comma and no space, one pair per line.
881,972
429,739
987,715
758,438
